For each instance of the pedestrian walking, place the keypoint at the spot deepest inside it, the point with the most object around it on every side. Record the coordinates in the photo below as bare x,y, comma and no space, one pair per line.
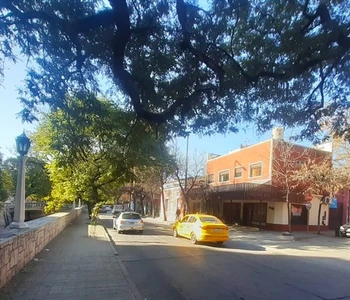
178,212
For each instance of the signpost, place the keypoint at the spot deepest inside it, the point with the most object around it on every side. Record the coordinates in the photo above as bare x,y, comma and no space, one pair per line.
333,203
308,206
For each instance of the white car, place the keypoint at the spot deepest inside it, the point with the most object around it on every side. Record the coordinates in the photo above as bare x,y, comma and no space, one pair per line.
128,221
344,230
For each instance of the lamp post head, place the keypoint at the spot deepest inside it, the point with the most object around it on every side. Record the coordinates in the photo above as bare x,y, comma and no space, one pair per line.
23,144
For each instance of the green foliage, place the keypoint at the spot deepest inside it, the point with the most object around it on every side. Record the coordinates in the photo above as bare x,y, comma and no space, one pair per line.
37,180
91,150
38,185
94,214
7,185
52,206
175,63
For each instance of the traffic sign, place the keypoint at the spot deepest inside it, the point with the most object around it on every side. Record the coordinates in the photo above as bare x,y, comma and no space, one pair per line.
333,203
308,197
308,205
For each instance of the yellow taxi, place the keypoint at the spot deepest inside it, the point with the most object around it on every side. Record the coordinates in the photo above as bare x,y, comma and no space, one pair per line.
201,228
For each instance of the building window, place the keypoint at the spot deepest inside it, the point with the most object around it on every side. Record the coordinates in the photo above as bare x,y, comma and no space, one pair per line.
238,172
224,176
298,214
210,178
255,170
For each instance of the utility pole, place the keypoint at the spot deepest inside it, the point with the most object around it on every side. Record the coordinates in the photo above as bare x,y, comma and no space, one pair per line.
186,170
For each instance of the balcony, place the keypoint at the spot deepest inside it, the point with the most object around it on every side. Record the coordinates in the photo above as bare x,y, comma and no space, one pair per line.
252,191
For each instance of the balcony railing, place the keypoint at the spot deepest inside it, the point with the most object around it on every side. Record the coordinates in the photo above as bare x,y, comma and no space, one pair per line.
35,205
252,191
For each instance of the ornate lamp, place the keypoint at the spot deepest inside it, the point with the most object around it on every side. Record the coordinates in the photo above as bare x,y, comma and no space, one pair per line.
23,145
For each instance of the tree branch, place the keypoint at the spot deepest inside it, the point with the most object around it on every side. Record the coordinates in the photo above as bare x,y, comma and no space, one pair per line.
186,43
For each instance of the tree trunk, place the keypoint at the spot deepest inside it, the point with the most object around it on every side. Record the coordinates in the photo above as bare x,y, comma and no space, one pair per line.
319,217
163,204
152,206
289,217
95,194
142,206
89,207
187,204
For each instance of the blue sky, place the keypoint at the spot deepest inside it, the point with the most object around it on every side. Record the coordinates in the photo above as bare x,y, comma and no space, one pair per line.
10,124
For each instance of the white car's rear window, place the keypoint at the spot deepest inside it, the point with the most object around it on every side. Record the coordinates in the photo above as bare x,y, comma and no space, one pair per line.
130,216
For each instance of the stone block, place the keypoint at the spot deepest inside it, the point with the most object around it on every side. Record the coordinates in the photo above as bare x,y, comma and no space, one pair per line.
6,254
2,258
12,260
20,264
15,243
3,244
15,254
3,276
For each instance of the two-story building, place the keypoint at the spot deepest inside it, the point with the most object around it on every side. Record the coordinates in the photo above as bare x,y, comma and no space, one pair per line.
174,198
248,186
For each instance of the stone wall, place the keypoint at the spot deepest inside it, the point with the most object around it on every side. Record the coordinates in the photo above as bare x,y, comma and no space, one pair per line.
19,246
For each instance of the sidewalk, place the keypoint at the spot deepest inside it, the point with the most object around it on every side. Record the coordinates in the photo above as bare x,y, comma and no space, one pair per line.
74,266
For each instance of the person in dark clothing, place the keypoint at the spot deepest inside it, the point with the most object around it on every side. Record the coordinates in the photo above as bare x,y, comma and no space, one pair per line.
178,213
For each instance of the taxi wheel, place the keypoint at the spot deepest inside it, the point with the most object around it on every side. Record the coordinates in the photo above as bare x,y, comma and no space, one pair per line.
175,233
193,238
219,243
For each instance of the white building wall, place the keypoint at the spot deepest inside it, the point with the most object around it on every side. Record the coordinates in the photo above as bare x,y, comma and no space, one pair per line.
281,213
313,213
172,193
270,218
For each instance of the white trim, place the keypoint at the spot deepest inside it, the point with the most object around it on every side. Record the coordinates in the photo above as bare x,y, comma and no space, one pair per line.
234,172
238,150
255,163
226,170
272,149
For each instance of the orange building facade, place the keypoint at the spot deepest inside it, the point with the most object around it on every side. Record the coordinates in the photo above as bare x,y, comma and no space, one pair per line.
247,187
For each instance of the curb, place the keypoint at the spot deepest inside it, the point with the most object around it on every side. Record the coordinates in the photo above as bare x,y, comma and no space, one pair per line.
135,292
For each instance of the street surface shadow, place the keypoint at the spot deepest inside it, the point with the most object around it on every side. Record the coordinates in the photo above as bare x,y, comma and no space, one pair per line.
234,245
243,246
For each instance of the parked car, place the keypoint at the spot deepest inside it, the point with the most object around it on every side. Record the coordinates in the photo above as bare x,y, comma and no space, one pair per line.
102,209
117,209
128,221
344,230
201,228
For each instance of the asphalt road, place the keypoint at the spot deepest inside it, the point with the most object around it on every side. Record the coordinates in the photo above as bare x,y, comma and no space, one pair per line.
164,267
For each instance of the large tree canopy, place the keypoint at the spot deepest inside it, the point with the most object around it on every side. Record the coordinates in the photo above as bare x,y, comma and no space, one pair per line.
90,156
175,63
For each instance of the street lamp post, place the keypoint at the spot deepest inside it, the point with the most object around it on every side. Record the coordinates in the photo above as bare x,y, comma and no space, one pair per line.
23,145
